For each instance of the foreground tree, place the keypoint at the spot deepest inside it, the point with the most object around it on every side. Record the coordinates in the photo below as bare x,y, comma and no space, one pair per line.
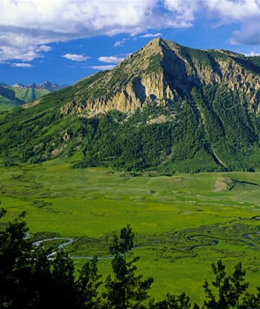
30,280
87,286
227,290
181,301
15,271
251,301
63,282
126,288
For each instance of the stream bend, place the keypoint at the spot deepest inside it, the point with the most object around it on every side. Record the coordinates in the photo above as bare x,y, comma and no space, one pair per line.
214,242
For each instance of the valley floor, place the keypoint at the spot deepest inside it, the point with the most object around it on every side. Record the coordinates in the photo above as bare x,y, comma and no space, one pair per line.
182,223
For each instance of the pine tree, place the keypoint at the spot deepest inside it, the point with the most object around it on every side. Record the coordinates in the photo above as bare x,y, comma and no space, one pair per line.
87,286
181,301
126,288
63,287
15,271
227,290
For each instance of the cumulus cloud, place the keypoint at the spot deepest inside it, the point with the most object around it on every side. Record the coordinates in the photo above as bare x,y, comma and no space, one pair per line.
75,57
28,27
246,13
43,48
183,11
21,65
235,10
25,54
27,24
111,59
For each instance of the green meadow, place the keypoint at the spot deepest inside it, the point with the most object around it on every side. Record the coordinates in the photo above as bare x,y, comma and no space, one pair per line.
182,223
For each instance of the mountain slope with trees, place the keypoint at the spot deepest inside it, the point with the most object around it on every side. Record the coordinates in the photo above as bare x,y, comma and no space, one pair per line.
165,107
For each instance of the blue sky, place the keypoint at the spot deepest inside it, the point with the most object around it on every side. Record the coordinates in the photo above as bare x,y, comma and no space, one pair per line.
64,41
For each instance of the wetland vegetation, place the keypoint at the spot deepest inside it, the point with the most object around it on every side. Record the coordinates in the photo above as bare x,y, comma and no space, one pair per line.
182,223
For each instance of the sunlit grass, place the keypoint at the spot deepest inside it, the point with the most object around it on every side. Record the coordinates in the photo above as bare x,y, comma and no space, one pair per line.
89,205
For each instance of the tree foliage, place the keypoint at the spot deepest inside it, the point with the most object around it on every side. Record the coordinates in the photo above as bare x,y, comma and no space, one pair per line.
228,289
126,288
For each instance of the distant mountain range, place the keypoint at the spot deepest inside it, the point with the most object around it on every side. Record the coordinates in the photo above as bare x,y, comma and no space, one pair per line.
45,85
166,107
18,94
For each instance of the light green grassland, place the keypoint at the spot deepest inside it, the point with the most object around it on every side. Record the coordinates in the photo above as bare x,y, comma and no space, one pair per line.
88,205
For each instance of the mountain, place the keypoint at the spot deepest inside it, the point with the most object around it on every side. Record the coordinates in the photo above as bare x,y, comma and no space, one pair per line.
166,107
18,94
46,85
165,71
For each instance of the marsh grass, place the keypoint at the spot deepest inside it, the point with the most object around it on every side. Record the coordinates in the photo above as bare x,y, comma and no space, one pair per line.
175,219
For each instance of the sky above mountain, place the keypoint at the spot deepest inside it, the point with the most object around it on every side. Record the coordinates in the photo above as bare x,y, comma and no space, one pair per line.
66,40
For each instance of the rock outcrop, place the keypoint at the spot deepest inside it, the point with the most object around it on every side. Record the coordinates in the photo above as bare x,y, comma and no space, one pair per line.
164,71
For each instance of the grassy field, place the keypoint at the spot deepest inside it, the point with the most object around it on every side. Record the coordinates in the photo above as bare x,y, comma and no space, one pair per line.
182,223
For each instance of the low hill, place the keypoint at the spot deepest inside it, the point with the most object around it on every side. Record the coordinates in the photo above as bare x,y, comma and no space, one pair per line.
165,107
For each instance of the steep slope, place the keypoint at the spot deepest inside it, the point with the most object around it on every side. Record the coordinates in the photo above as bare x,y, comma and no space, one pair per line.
165,107
164,71
8,99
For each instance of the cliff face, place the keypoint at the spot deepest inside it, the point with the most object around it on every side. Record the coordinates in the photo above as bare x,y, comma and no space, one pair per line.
164,71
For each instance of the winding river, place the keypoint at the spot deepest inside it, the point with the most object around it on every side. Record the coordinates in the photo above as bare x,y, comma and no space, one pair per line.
214,242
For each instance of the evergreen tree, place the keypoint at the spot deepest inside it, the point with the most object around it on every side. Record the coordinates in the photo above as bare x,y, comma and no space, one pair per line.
227,289
181,301
15,271
63,287
87,286
32,279
251,301
125,289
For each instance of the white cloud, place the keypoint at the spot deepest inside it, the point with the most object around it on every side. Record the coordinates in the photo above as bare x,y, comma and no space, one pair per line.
75,57
20,45
249,34
43,48
32,23
151,35
252,54
246,13
236,10
27,27
120,43
183,10
111,59
102,67
24,53
21,65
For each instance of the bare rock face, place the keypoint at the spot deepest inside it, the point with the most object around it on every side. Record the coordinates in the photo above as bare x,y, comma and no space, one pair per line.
162,72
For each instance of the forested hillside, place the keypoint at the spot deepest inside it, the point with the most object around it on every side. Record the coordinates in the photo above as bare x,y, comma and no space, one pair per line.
166,107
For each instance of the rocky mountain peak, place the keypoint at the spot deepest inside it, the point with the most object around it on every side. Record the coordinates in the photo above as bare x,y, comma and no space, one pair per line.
164,71
17,85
